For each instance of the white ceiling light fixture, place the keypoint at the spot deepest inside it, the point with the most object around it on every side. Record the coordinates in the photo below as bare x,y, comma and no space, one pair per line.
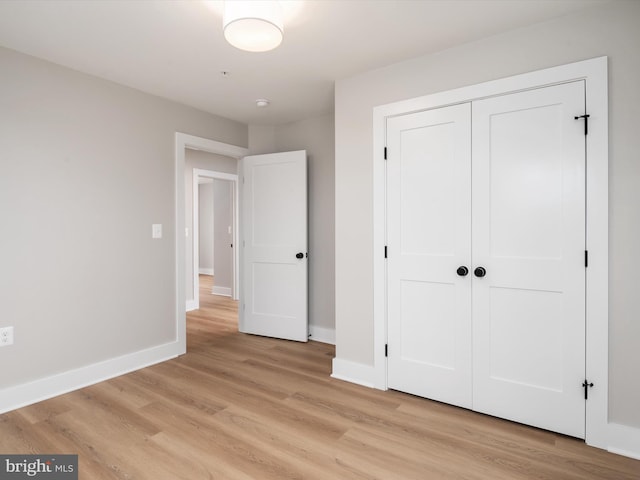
262,103
254,26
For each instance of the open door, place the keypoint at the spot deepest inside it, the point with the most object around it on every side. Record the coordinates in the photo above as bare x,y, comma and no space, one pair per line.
274,277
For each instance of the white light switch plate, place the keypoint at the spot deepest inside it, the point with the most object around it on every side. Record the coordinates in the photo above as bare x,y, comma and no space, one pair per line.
156,230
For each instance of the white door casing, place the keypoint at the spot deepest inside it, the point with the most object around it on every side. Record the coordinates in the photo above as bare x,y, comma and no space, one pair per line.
429,237
275,246
529,234
599,431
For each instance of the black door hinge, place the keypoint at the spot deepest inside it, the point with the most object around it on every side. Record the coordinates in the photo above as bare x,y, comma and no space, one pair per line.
586,386
385,153
586,258
586,122
386,349
385,251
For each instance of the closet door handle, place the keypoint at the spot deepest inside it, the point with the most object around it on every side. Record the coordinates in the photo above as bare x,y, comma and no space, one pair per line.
462,271
480,272
299,255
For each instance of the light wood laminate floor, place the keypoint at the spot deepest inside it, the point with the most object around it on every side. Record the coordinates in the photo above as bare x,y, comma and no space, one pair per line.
244,407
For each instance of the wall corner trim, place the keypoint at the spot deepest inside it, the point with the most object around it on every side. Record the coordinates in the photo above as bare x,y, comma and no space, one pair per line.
18,396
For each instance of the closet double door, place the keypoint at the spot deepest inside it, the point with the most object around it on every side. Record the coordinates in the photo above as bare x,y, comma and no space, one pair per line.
486,256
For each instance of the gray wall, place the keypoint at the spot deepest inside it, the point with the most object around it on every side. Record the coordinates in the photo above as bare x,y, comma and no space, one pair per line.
205,226
316,136
222,220
86,166
204,161
614,31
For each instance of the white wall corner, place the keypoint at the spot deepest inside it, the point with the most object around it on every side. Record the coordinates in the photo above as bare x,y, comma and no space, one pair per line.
323,335
35,391
354,372
624,440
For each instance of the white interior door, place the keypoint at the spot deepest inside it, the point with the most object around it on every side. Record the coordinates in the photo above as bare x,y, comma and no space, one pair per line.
275,245
529,235
429,238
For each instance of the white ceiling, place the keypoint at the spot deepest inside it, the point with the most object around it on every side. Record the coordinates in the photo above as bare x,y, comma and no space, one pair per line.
176,49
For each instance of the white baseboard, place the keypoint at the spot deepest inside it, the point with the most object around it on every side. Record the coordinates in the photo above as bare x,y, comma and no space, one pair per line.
624,440
225,291
323,335
206,271
192,305
354,372
28,393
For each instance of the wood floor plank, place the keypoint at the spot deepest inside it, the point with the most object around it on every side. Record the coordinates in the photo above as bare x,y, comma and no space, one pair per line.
232,452
61,440
243,407
314,454
17,435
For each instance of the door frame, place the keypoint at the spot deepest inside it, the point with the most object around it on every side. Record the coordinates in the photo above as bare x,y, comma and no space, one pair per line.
182,142
594,73
214,175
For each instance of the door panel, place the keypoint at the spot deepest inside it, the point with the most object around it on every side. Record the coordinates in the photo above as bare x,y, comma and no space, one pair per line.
529,233
275,230
429,208
521,321
526,180
425,339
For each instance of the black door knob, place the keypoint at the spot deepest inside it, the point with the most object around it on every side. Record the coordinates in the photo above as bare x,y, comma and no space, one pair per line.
299,255
480,272
462,271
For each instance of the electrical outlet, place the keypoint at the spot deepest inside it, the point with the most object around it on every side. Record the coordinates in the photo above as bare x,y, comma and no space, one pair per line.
6,336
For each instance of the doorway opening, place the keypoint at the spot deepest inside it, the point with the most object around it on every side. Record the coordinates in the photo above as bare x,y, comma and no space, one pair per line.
272,224
184,143
214,238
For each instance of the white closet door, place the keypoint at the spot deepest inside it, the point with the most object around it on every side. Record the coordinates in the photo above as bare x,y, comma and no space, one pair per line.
529,235
429,208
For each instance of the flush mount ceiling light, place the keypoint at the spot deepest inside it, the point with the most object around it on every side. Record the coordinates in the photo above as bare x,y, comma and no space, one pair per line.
262,103
254,26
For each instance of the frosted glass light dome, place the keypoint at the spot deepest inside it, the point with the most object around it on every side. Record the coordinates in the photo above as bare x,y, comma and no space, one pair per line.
254,26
